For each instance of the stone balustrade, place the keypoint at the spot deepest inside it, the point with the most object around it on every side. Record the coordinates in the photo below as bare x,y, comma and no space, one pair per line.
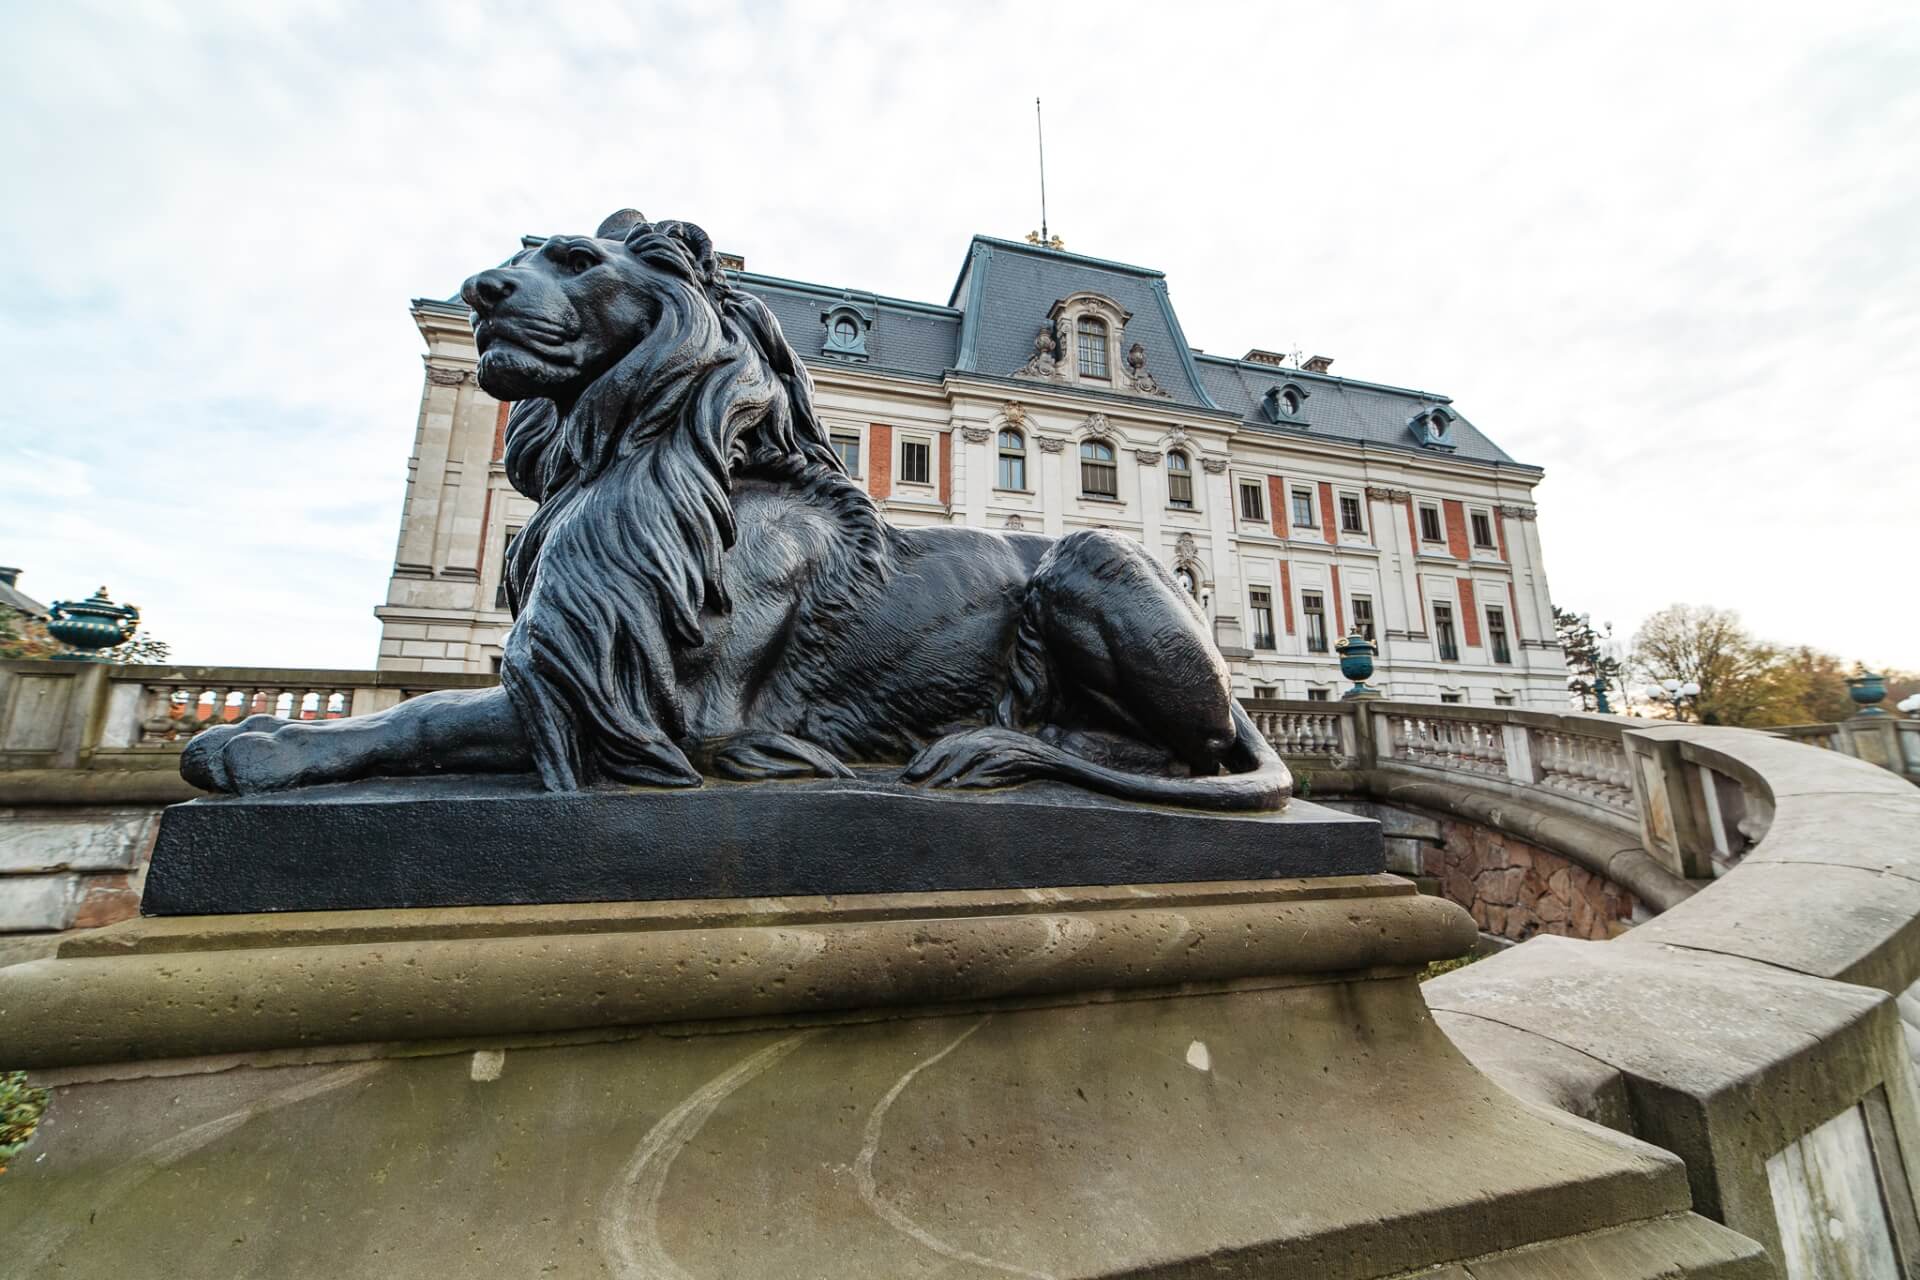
1884,740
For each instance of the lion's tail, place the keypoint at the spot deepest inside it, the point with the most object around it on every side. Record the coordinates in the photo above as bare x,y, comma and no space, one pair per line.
1263,784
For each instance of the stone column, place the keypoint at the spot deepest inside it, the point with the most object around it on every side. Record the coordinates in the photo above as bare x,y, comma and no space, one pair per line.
432,444
1229,599
973,472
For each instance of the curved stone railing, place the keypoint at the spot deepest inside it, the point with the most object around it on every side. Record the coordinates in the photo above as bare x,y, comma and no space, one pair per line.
1755,1028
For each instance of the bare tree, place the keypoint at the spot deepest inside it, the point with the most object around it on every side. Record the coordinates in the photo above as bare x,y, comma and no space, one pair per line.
1742,680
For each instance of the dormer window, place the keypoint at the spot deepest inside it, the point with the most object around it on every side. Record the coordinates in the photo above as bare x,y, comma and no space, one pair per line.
1283,403
1432,428
1093,347
846,335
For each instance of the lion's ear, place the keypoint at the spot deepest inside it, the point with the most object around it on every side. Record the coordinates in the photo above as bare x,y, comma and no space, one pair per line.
618,226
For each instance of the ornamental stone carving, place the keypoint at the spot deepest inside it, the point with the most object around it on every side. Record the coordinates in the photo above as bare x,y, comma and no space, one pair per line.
1016,523
1520,513
1147,457
1096,424
1042,364
1138,378
1213,466
1052,444
1014,412
1379,494
441,376
975,435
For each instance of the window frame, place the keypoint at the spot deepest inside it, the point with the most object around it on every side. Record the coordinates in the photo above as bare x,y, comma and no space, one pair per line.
1259,612
1004,454
1499,643
1087,327
1355,612
1439,537
1319,694
500,601
1446,636
1313,617
836,436
924,443
1110,464
1258,489
1184,471
1296,494
1477,518
1359,525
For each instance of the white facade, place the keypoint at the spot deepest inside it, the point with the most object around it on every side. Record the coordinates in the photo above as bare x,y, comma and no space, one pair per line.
1289,553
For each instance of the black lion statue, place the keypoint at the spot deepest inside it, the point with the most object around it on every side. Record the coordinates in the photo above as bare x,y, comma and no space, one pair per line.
703,592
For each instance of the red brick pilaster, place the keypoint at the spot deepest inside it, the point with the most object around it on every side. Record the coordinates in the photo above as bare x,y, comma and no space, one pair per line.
500,432
1469,612
1339,605
879,460
1286,594
1277,510
946,468
1327,515
1456,514
1500,534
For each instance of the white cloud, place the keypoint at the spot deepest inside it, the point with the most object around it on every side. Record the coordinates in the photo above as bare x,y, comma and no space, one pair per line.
1668,253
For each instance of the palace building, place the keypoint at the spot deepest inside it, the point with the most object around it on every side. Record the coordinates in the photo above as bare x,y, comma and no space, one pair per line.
1053,392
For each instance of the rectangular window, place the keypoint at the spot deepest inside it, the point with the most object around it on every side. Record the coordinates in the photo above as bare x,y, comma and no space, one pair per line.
1449,698
1363,616
1303,508
1013,471
1252,506
1482,530
848,447
916,462
1443,632
1179,482
500,592
1093,347
1350,518
1314,608
1497,634
1319,695
1430,524
1261,601
1502,699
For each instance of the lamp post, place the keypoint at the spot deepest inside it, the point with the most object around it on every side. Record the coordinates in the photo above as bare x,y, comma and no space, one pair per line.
1675,694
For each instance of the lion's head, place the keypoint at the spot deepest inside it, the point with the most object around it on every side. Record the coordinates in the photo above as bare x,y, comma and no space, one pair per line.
643,380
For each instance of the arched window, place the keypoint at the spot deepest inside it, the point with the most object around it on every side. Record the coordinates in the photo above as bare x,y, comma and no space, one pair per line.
1013,460
1099,478
845,330
1184,576
1093,347
1179,480
1290,401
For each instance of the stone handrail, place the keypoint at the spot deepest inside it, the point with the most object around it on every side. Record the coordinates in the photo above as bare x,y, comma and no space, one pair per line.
1891,742
1755,1028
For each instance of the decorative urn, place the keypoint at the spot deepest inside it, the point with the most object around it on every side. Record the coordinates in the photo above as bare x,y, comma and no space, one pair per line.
1356,664
1867,688
91,625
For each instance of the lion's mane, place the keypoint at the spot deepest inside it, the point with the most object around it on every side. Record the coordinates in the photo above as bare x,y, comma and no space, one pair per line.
625,552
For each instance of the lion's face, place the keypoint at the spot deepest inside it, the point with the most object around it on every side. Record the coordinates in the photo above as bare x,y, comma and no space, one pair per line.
557,317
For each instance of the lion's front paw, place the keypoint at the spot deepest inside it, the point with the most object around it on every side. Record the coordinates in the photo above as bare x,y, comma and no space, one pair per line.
203,761
982,758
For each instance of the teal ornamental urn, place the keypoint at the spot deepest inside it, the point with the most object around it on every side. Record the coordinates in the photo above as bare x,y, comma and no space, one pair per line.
91,625
1356,664
1867,689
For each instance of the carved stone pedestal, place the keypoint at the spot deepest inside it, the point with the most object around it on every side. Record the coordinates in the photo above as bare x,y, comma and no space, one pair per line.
1197,1080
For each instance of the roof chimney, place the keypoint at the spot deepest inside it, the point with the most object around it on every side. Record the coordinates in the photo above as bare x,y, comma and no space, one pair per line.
730,261
1318,364
1257,356
9,576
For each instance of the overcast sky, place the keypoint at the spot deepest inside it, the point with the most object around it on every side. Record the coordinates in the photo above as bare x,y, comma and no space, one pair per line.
1672,255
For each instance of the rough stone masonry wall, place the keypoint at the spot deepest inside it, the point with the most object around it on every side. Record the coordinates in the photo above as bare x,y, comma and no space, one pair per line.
1515,889
72,867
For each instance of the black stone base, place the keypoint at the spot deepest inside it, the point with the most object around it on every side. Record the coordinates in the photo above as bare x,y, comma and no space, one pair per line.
480,841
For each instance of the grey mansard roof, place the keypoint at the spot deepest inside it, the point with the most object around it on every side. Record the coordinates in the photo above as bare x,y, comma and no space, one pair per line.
1001,301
